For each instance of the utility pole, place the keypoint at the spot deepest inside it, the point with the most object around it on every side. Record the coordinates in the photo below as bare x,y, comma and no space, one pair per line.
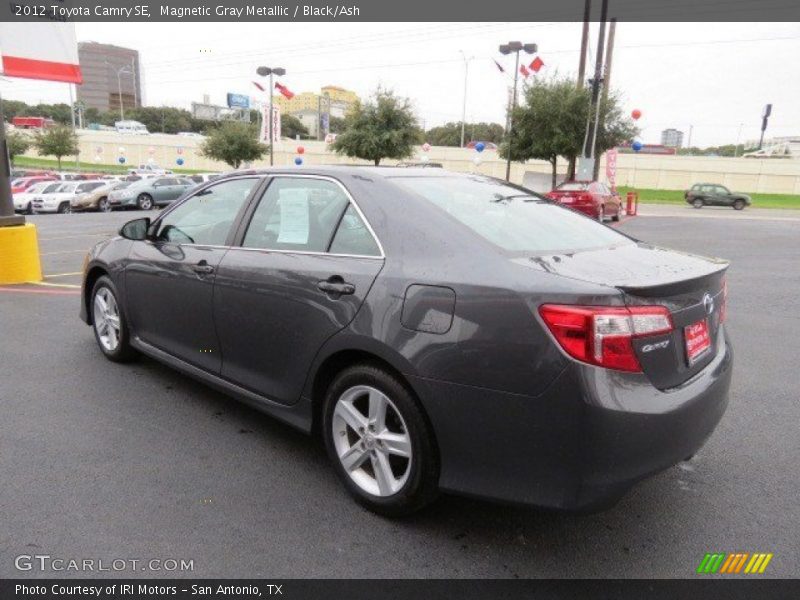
596,83
72,115
689,141
263,71
516,48
587,10
612,28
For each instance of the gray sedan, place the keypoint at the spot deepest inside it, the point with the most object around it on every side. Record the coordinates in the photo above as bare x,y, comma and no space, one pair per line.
150,192
441,332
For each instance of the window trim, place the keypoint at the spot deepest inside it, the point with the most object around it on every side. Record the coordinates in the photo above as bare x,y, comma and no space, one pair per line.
241,235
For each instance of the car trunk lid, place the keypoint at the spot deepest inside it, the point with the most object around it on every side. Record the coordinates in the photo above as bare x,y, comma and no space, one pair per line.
691,287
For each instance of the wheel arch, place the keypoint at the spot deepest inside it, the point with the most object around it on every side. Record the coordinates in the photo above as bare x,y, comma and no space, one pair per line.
344,354
92,275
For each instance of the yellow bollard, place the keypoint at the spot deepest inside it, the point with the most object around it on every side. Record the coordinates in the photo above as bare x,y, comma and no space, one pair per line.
19,254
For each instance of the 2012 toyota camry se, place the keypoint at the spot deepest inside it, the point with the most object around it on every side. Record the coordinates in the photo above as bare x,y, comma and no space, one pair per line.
441,331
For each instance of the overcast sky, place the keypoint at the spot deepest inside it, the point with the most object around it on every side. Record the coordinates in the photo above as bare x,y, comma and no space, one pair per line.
714,76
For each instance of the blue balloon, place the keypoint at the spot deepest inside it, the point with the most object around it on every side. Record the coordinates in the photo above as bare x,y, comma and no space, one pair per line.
480,146
121,160
637,145
298,160
179,161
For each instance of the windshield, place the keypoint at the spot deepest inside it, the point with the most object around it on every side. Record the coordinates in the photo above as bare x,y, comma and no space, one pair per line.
513,220
37,187
572,186
68,187
122,185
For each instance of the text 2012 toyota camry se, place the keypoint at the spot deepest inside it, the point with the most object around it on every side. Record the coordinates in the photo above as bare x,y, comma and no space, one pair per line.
443,332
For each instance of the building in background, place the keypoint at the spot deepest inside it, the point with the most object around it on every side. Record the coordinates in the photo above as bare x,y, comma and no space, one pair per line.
340,100
111,75
672,138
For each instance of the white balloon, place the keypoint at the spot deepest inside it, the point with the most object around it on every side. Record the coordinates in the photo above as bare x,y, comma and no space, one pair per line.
424,158
121,150
151,160
97,158
477,160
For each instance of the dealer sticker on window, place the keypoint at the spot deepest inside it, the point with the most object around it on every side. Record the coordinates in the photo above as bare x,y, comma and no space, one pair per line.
697,340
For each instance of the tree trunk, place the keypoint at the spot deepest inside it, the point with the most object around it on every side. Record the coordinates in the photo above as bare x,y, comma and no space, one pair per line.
377,161
59,162
571,168
554,162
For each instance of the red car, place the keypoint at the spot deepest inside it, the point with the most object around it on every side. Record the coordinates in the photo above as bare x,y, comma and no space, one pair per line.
23,183
589,197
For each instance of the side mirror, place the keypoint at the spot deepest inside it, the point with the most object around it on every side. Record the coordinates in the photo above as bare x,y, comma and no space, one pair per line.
135,230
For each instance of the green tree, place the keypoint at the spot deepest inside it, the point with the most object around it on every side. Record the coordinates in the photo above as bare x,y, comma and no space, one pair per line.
291,127
18,143
233,142
551,122
336,125
162,119
382,127
449,134
56,141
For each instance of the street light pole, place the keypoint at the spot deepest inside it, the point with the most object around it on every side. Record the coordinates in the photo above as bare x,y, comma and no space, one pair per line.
516,48
464,107
263,71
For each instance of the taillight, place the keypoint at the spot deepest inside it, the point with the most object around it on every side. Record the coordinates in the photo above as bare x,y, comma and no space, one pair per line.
603,335
585,198
723,311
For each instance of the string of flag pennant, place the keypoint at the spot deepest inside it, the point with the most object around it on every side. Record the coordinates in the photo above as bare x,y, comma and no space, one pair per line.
525,70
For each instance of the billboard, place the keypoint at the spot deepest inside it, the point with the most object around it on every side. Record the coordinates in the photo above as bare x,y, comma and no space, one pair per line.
238,100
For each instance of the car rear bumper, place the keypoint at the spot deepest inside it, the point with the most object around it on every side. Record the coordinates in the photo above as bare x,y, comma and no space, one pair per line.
586,209
582,443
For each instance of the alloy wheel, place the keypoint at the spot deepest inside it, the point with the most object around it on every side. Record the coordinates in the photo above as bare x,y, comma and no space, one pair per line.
106,319
372,440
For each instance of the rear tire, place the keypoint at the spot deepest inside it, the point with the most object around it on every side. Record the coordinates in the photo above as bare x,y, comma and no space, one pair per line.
601,214
738,204
144,202
698,203
618,215
109,323
373,424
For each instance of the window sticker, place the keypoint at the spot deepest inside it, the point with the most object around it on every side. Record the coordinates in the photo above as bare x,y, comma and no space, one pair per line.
294,217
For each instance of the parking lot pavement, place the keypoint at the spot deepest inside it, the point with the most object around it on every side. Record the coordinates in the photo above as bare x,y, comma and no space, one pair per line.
718,212
100,460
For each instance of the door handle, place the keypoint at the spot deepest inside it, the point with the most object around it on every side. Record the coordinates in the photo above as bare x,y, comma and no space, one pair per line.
336,286
203,268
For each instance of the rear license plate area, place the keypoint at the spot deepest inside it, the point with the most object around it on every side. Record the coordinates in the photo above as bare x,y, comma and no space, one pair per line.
696,340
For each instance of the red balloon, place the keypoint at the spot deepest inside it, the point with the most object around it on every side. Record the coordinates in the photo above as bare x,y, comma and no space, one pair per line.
636,114
300,149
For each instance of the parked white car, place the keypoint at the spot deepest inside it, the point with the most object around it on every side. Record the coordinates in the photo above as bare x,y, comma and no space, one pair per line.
131,128
58,201
149,170
23,200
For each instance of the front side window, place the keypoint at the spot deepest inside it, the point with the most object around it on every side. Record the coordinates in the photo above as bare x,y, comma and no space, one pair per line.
299,214
516,221
207,217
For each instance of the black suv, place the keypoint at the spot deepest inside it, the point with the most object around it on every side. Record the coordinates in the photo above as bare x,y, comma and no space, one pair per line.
711,194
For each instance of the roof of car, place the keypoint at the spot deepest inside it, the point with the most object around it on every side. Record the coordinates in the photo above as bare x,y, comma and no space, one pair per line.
361,170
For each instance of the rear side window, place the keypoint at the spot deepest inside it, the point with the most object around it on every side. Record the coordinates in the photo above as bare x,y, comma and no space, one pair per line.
513,220
299,214
353,236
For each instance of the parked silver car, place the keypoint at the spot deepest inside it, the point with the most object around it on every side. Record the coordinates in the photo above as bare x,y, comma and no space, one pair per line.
149,193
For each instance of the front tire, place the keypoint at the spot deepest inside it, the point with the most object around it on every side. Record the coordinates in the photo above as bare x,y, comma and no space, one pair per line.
601,214
64,208
738,205
109,323
380,442
144,202
103,205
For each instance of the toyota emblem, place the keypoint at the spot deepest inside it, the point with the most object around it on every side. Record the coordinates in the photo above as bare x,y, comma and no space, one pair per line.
708,303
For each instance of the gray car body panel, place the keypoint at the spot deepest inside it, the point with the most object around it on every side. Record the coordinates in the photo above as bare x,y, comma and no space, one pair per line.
515,418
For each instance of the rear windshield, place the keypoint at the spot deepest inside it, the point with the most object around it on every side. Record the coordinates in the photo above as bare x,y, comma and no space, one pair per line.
573,186
511,219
